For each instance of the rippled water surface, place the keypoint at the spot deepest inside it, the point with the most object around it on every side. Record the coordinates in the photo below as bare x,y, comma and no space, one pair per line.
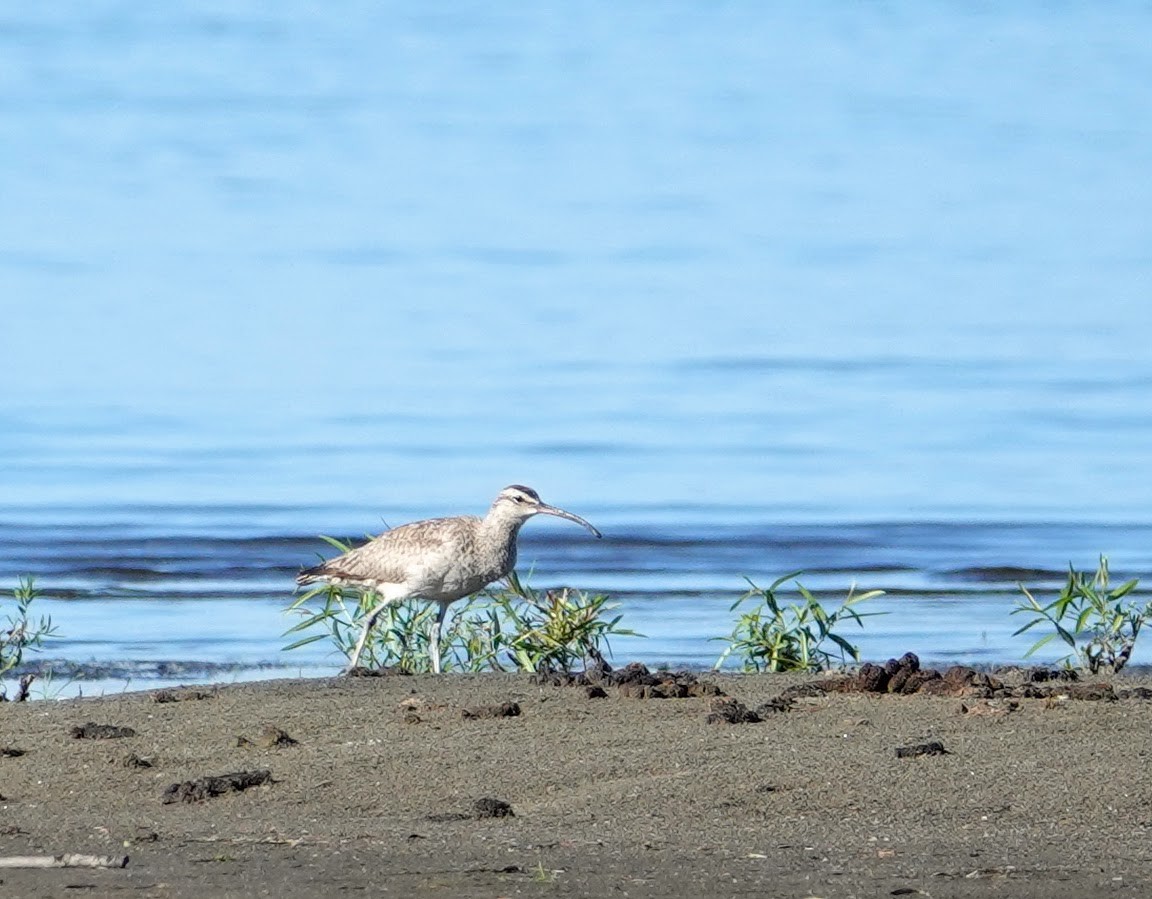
861,291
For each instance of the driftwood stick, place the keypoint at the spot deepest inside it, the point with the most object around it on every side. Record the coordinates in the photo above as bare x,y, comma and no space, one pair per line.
66,860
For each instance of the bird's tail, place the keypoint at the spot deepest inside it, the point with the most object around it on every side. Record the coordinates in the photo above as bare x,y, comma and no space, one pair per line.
310,575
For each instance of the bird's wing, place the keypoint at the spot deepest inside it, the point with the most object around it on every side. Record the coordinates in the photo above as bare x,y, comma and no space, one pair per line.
397,555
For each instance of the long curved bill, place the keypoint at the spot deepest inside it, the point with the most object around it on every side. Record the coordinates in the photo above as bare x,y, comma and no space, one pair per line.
545,509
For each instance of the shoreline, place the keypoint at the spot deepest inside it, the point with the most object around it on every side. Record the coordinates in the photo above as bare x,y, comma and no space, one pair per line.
378,791
59,679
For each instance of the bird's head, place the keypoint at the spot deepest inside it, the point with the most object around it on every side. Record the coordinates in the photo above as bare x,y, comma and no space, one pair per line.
521,503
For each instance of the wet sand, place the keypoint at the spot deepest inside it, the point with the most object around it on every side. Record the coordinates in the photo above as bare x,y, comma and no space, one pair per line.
610,796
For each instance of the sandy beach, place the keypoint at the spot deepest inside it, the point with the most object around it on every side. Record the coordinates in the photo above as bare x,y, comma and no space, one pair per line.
496,786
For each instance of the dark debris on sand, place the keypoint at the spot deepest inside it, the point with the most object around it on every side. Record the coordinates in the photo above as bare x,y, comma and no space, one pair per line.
384,671
181,695
503,710
904,676
731,711
485,807
94,731
634,681
215,785
271,737
933,747
900,676
492,808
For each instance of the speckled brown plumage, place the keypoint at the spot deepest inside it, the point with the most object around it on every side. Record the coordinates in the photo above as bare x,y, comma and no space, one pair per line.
438,559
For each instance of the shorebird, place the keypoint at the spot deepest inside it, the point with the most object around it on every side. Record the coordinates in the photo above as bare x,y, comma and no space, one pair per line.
440,560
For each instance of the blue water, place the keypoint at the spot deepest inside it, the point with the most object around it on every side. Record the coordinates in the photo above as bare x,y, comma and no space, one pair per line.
856,289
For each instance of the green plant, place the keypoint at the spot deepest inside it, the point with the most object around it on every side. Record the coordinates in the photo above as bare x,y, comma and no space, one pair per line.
550,631
23,633
778,636
1097,623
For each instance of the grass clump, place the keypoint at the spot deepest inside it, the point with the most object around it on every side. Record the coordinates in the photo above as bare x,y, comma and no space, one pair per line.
550,631
23,633
776,636
1100,625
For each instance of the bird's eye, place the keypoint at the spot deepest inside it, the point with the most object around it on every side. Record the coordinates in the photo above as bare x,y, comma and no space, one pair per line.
519,499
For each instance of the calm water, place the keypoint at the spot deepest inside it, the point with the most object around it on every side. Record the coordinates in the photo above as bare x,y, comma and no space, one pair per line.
859,290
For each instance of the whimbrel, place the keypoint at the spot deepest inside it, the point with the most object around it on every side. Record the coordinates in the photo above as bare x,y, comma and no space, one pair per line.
440,560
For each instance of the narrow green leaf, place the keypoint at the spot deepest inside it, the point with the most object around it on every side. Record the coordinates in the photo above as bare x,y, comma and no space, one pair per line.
305,641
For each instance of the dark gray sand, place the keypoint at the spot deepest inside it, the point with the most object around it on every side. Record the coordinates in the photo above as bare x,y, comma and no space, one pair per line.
612,796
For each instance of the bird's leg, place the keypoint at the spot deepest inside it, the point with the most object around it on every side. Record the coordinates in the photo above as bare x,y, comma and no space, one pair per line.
434,638
369,622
